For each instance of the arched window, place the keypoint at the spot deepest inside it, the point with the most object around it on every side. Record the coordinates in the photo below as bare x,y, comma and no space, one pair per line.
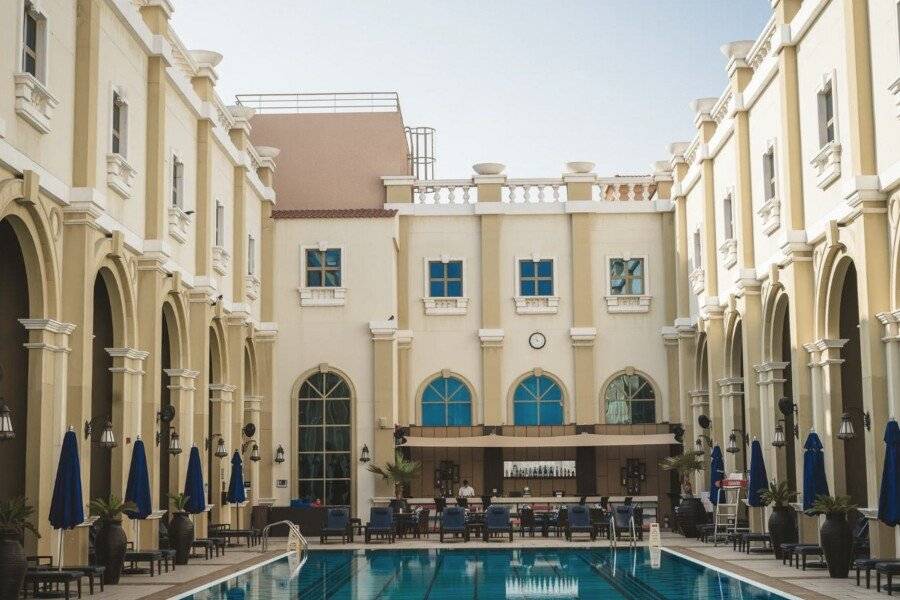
537,401
324,439
446,401
630,399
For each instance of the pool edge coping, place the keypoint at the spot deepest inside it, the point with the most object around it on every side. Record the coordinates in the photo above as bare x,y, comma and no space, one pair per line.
232,575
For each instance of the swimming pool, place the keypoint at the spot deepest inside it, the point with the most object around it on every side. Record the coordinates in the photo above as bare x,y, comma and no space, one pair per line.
487,574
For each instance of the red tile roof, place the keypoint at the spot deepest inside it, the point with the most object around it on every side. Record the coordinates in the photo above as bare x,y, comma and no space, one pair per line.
334,213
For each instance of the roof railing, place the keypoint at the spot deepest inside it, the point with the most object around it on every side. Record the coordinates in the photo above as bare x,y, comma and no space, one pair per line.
322,102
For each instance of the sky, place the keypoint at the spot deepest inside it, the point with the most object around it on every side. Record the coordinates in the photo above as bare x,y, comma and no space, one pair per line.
530,84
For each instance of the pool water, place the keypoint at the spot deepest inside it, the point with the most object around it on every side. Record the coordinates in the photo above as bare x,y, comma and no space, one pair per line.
486,574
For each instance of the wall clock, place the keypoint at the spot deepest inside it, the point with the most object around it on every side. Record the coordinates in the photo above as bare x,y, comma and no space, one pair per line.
537,340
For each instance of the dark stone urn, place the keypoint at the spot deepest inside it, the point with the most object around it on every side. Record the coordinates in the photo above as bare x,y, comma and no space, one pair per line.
181,535
12,565
110,548
837,544
782,527
689,515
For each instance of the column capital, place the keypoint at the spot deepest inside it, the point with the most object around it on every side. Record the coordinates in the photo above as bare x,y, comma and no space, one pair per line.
383,331
404,339
583,336
491,338
129,353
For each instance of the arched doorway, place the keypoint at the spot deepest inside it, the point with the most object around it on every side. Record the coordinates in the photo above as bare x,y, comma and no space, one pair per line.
14,305
101,387
325,438
165,404
855,464
737,397
787,464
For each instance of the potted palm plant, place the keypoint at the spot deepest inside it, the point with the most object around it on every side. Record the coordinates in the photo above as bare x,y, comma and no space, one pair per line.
15,519
690,512
835,535
400,473
111,542
783,520
181,529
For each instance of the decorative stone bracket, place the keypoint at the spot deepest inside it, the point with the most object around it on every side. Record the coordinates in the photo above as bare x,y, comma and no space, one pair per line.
628,304
583,336
536,305
770,213
221,260
697,279
827,164
445,306
34,102
322,296
179,221
491,337
119,174
728,252
895,90
251,283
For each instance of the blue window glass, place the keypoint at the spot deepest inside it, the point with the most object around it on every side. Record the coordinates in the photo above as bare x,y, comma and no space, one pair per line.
630,399
323,268
445,279
536,277
446,401
537,401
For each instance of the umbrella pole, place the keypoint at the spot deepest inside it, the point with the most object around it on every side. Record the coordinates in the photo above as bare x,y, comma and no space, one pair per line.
137,536
60,552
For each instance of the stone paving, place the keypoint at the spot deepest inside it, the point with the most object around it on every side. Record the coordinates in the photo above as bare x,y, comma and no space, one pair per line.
813,584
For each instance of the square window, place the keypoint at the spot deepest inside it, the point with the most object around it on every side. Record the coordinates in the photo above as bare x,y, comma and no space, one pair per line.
445,279
323,267
536,277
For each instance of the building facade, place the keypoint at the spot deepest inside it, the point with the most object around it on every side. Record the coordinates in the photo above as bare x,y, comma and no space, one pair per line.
135,258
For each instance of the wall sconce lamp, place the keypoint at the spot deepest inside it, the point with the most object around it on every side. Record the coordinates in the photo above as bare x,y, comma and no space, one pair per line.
6,427
221,450
704,421
698,445
733,447
364,455
174,441
107,438
254,450
846,430
279,454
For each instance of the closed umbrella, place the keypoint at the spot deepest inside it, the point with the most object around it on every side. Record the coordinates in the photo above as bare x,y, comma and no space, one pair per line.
67,505
236,493
889,498
716,474
759,480
138,488
814,482
193,484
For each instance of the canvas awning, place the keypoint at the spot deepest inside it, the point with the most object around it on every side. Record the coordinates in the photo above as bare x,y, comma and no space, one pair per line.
554,441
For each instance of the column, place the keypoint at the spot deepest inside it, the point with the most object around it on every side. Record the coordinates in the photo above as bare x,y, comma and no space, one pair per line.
770,381
221,403
579,188
240,136
891,339
181,393
236,331
252,412
491,334
204,86
156,15
199,319
384,396
265,338
48,347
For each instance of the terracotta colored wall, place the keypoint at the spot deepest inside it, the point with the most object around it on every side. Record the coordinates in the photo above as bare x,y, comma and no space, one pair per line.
333,160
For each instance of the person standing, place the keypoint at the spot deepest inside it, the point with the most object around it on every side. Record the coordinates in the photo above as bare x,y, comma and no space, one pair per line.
466,490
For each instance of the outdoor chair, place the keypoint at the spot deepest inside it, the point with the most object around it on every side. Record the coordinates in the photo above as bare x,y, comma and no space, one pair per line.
527,521
337,524
206,545
868,565
90,571
152,557
496,522
453,522
744,541
42,582
800,552
622,523
579,521
381,524
890,570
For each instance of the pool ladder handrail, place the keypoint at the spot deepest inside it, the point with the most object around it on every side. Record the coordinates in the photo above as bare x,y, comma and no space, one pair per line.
632,538
295,540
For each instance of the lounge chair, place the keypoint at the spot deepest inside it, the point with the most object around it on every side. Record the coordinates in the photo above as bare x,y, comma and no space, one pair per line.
453,522
41,581
337,524
381,524
622,523
528,522
579,521
496,522
92,572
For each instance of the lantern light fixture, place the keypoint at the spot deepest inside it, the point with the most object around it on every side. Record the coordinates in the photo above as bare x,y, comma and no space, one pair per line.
364,455
6,427
279,454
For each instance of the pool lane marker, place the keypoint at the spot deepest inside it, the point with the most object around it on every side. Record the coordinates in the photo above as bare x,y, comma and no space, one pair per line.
752,582
221,580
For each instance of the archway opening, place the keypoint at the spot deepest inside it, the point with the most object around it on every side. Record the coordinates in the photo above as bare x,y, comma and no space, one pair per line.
101,388
165,401
790,449
13,359
851,389
739,403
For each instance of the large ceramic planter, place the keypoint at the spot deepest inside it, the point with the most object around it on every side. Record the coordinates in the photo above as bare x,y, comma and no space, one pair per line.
837,544
782,527
689,515
12,566
181,535
110,549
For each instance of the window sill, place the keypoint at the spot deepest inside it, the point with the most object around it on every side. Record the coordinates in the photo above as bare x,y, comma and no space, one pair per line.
628,303
895,90
827,164
34,102
322,296
728,252
445,306
537,305
220,260
251,286
179,221
770,213
697,279
119,174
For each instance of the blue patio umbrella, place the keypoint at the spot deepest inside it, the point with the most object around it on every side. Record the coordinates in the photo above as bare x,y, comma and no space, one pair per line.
138,488
193,484
67,504
716,473
236,493
759,480
814,482
889,498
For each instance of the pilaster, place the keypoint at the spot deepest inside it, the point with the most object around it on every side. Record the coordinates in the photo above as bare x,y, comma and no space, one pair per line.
87,89
221,402
384,394
489,190
584,282
199,318
265,338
